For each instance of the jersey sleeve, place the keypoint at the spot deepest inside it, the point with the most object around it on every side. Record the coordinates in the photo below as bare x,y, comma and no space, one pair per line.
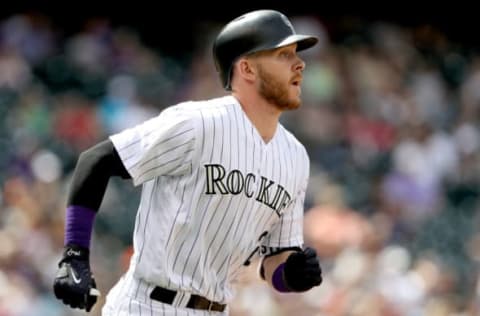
288,231
161,146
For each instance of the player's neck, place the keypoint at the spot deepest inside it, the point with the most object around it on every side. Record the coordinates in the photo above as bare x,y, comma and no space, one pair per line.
263,115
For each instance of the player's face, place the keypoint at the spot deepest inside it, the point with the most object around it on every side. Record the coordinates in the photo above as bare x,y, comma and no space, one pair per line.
280,76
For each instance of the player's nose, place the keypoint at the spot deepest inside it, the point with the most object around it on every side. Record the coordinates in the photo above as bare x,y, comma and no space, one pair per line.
299,65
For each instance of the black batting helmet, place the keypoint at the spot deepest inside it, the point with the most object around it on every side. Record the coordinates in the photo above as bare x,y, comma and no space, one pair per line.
253,32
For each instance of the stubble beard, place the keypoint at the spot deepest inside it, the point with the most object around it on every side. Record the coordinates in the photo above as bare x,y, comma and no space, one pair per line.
276,92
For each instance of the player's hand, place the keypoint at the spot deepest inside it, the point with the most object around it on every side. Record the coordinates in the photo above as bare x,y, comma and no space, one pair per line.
74,283
302,270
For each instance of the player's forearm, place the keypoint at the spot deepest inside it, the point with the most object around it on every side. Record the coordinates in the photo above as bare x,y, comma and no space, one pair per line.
94,168
270,265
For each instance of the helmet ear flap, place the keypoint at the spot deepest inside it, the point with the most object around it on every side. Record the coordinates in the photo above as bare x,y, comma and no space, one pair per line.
253,32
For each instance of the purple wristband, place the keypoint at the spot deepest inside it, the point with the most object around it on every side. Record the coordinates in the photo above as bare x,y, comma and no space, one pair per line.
79,225
278,281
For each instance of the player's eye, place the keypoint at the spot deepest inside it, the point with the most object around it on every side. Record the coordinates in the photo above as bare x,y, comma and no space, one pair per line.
286,54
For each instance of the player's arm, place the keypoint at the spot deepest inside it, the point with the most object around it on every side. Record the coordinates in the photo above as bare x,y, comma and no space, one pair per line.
271,263
94,168
74,283
292,270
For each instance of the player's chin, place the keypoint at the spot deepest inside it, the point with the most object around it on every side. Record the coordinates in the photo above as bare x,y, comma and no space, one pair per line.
293,104
295,97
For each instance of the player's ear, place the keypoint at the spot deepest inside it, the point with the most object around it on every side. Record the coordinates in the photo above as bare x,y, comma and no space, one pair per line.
245,68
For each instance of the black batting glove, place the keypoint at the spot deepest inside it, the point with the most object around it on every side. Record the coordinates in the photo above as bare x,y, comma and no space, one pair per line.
74,283
302,270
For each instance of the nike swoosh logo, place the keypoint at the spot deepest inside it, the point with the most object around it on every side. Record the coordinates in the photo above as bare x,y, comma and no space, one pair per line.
75,278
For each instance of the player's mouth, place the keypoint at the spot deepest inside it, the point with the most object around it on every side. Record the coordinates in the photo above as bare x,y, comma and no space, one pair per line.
297,81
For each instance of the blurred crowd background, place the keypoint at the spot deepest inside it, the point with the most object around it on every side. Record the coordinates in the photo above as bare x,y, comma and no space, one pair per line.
390,120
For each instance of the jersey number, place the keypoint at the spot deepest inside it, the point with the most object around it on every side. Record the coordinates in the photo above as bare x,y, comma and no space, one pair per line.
261,249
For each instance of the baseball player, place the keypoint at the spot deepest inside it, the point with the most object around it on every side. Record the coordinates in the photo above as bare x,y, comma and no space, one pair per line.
223,182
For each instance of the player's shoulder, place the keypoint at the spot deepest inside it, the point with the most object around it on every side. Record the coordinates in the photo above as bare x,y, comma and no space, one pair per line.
202,108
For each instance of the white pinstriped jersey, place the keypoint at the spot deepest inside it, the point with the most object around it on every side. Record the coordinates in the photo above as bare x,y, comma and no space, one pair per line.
214,193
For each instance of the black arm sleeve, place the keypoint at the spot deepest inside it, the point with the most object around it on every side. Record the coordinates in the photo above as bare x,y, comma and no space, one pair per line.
94,168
